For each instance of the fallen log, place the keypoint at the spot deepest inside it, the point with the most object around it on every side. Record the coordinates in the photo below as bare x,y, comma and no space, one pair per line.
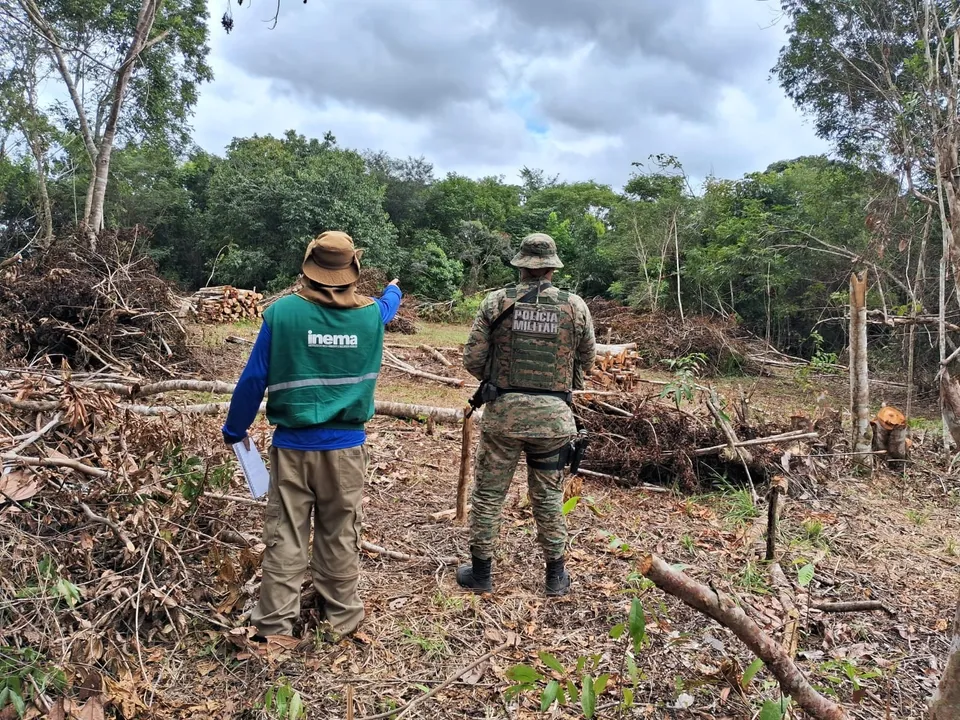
402,411
31,405
437,355
852,606
722,609
454,382
604,349
391,409
398,364
411,412
211,386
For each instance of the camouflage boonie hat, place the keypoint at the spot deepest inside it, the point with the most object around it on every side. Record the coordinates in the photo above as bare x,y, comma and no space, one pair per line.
537,251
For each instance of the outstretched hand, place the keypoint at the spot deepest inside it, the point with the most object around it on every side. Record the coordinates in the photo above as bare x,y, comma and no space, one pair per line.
395,281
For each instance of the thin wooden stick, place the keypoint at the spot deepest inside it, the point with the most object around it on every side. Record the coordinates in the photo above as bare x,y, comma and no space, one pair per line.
34,436
713,404
405,709
783,437
778,487
55,462
466,445
614,409
852,606
443,560
722,609
622,481
761,523
111,524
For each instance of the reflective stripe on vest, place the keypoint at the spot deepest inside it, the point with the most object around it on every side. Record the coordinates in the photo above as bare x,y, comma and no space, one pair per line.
311,382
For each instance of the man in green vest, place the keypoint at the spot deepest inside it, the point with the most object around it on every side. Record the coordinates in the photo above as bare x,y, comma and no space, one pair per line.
529,358
317,356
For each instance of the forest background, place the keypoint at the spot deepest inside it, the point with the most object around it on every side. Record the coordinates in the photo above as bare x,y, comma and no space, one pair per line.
771,250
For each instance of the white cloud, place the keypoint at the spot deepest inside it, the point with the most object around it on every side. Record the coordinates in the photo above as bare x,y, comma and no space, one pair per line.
574,87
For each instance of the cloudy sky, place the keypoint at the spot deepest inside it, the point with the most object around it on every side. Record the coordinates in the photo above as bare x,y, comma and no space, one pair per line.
579,88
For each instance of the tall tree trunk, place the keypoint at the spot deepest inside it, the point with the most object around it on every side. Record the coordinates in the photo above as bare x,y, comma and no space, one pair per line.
859,377
946,699
950,406
101,171
46,211
676,250
34,140
916,292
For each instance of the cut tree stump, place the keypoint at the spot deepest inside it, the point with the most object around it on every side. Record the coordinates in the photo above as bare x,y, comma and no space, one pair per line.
890,434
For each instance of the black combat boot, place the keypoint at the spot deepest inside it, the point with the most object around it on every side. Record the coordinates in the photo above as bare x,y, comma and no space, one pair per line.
558,579
475,577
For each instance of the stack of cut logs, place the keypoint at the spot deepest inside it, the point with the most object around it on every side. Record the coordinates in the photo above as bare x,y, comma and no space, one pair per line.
224,303
616,367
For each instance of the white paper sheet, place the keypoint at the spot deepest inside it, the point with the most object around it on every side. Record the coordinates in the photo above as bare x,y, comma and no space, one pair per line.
254,470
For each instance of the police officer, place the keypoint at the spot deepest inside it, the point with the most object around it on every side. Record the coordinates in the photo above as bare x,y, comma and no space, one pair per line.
530,358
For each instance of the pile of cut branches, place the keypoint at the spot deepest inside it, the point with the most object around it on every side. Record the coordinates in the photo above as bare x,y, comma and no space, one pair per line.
120,526
372,282
642,438
93,310
663,336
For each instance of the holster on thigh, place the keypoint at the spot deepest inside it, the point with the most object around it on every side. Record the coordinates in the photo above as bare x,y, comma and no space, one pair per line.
550,460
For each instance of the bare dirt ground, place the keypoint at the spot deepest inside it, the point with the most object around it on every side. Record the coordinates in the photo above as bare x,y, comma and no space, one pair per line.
890,537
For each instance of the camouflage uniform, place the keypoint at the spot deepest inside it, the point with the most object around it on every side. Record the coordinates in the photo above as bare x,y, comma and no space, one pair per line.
539,425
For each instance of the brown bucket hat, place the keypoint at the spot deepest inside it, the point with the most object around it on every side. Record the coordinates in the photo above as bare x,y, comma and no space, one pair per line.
537,251
331,259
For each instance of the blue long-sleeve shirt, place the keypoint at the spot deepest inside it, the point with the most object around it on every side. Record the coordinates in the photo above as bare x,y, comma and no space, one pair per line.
253,384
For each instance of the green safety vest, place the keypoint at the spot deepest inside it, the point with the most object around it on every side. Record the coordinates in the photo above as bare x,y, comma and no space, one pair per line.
324,364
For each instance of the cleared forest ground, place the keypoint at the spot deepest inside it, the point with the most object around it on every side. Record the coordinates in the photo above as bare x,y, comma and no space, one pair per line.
192,579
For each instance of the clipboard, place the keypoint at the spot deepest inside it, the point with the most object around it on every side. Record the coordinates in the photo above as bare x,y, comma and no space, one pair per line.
253,467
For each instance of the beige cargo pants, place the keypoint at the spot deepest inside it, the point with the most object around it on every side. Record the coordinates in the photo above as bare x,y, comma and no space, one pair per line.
327,485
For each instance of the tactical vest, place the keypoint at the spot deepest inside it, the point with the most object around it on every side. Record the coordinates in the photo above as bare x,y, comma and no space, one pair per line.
534,349
324,364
